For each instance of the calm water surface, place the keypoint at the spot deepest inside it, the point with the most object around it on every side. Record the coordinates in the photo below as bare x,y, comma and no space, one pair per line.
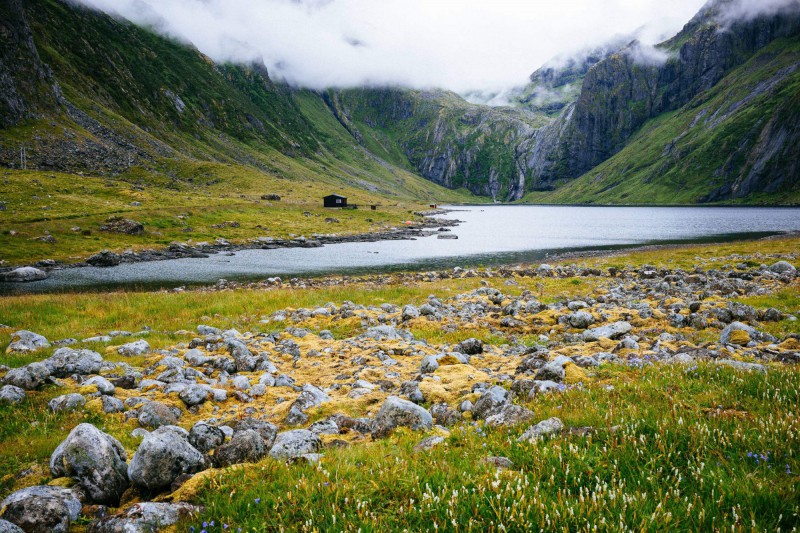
489,235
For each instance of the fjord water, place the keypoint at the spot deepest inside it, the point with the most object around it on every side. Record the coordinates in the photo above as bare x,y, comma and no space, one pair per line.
487,235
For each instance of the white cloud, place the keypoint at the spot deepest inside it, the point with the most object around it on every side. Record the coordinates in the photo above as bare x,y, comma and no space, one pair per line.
462,45
749,9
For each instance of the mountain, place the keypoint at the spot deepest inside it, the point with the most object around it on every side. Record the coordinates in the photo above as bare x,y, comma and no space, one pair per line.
709,115
81,91
585,111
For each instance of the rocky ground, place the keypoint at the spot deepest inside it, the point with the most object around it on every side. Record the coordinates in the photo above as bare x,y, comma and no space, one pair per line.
345,375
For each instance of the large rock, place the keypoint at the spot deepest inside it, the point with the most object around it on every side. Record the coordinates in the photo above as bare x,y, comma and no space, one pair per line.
267,430
580,319
127,226
509,415
490,402
195,394
104,259
294,443
23,275
311,396
140,347
206,437
25,341
66,361
552,371
41,509
146,517
396,412
163,455
96,460
8,527
157,414
410,312
67,402
782,267
28,377
11,394
245,447
610,331
469,346
737,333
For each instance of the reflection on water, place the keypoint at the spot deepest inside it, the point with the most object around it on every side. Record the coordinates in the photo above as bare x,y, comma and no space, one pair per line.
489,235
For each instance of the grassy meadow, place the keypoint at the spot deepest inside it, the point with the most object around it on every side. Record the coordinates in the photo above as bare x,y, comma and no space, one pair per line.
653,447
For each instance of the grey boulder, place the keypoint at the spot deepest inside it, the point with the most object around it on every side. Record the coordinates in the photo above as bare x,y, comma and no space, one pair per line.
490,402
24,341
67,402
245,447
545,428
294,443
157,414
163,455
41,509
28,377
610,331
146,517
11,394
66,361
782,267
396,412
509,415
23,274
194,395
139,347
205,437
96,460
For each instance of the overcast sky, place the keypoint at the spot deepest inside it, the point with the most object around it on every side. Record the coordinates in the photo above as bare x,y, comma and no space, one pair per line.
460,45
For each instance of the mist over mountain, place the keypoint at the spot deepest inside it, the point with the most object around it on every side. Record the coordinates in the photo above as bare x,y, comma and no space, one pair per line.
708,114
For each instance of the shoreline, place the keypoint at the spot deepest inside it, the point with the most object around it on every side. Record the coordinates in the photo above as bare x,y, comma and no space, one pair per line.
428,227
504,270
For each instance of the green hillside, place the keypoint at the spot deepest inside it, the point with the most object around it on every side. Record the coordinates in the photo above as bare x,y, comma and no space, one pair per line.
712,147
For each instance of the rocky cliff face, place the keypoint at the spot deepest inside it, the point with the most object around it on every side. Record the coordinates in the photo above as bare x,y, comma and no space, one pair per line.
444,138
27,87
625,90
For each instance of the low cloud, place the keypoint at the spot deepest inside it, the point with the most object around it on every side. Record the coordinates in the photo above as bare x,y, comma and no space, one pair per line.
750,9
484,46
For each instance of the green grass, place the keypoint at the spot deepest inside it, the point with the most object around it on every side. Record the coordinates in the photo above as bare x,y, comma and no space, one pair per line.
678,460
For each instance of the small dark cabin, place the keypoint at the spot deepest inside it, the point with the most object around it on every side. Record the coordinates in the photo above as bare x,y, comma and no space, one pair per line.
335,200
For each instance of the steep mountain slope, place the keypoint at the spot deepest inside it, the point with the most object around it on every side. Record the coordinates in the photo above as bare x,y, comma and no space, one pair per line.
441,136
734,141
82,91
623,91
579,114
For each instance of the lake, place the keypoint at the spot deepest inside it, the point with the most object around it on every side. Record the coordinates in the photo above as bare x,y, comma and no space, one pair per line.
488,235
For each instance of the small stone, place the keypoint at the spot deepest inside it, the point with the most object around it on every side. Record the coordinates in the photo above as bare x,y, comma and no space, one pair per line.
428,443
545,428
